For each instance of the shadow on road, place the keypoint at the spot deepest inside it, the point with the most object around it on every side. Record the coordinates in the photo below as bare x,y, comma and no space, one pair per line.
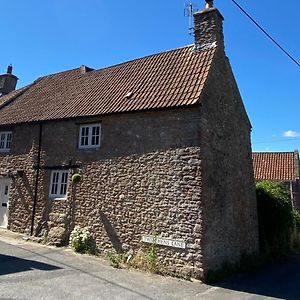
12,264
279,280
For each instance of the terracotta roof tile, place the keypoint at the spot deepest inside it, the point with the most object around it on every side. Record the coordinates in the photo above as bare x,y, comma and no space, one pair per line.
167,79
5,99
281,166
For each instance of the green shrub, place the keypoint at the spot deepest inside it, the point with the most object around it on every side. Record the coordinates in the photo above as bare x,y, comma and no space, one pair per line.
275,217
297,219
296,234
147,259
152,256
76,178
82,241
116,259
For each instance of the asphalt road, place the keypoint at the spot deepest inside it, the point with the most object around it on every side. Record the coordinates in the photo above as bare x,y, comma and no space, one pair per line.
32,271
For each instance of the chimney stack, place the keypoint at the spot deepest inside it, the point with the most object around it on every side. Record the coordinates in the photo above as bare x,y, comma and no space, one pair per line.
208,27
8,81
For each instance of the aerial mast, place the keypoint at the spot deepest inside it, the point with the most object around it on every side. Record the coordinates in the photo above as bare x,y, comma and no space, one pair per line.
189,10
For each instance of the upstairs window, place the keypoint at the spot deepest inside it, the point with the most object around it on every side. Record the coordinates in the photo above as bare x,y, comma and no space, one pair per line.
89,136
59,184
5,141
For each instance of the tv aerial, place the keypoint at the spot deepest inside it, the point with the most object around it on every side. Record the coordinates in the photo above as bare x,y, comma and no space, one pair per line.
189,10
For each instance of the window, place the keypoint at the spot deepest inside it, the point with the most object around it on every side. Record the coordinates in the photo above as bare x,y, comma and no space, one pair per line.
89,136
59,184
6,190
5,141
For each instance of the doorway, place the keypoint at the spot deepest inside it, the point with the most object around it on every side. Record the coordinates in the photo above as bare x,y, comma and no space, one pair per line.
4,196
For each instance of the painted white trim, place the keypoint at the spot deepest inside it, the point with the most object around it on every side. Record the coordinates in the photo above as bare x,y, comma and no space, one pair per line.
6,133
58,196
4,182
89,136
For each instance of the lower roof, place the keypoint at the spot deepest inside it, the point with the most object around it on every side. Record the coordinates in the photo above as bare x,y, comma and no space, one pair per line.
279,166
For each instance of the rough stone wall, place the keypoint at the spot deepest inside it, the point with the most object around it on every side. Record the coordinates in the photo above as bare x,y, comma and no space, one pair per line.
208,28
142,194
228,188
21,157
182,173
145,178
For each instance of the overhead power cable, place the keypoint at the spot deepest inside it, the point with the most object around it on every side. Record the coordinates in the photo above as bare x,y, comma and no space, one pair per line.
267,34
276,141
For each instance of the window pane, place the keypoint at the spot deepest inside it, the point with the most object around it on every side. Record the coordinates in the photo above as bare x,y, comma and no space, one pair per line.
63,190
96,135
64,177
84,140
63,185
54,186
8,140
2,140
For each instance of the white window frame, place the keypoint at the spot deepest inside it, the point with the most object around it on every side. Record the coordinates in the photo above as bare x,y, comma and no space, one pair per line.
5,141
89,136
59,184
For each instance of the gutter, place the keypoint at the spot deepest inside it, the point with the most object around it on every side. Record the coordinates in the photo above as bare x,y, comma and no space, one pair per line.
38,167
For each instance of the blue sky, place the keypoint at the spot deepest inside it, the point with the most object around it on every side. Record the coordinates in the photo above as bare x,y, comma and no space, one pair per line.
42,37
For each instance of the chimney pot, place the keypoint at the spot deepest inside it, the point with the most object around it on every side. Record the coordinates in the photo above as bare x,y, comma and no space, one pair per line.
9,69
209,4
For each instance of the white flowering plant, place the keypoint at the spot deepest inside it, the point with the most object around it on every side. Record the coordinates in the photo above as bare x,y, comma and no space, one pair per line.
81,240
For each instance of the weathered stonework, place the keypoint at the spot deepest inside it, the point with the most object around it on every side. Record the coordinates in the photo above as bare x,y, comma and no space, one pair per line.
183,173
168,174
229,203
144,184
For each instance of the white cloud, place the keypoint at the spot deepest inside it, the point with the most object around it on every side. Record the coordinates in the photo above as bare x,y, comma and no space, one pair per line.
291,134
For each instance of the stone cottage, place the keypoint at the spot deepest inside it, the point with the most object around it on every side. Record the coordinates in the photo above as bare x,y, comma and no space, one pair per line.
162,144
282,167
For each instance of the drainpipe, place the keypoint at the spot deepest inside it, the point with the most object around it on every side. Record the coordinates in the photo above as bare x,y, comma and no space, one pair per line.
36,178
292,194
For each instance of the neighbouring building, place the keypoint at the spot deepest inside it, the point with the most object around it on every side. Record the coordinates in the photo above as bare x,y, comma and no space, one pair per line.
279,166
162,144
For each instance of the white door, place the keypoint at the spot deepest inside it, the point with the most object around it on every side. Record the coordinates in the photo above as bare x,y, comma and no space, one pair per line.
4,195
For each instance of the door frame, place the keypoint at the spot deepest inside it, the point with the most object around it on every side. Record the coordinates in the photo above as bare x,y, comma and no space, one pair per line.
5,181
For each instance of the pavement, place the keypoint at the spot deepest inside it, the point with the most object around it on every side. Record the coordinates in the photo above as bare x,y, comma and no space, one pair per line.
32,271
